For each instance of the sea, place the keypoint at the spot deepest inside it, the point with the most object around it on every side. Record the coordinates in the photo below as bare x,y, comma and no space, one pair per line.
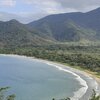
31,79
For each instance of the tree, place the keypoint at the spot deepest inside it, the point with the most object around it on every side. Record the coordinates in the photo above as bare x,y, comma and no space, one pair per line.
95,96
67,99
11,97
3,96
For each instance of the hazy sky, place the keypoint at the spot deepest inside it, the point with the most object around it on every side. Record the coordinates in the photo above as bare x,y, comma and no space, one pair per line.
29,10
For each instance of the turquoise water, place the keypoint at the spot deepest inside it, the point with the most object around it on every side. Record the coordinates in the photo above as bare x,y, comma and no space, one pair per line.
34,80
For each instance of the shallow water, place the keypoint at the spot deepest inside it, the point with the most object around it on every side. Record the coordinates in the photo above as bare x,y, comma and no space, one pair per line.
34,80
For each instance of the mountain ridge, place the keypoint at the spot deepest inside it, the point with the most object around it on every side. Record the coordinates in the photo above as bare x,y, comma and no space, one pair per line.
67,27
14,33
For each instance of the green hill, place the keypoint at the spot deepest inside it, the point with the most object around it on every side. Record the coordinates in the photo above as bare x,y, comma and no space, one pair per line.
58,28
70,27
13,33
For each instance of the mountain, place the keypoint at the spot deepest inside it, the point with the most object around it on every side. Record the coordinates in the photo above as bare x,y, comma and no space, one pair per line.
13,33
68,27
4,16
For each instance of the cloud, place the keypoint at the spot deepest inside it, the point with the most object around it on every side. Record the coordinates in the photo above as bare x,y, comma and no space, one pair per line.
79,5
23,17
8,3
47,7
8,16
58,6
34,9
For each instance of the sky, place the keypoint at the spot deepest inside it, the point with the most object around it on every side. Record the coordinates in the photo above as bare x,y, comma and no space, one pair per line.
26,11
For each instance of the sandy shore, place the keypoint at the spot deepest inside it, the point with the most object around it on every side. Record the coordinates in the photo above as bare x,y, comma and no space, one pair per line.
87,80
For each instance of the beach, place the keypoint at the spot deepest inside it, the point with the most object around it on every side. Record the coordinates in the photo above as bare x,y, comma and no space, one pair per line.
86,80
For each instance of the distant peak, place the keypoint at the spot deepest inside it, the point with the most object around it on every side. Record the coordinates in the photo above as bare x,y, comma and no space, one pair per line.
13,20
98,8
95,10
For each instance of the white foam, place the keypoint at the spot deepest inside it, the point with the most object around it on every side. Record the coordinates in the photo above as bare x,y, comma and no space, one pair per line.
78,94
96,84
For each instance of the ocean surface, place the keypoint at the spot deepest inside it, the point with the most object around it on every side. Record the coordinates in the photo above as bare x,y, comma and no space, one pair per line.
35,80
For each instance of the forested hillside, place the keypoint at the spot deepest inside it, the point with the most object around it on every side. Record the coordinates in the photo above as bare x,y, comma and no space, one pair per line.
59,28
16,34
70,27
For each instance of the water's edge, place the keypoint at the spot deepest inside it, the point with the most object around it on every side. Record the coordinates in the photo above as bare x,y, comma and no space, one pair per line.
77,94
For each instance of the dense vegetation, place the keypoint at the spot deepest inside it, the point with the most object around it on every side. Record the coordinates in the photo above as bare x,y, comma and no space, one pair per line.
14,33
87,57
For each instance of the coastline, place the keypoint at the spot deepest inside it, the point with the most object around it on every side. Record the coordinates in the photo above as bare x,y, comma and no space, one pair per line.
77,94
82,92
85,93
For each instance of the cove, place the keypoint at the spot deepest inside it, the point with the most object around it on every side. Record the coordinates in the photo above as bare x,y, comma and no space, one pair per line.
31,79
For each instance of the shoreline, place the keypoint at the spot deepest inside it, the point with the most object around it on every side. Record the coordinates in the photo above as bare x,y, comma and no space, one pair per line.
81,91
76,72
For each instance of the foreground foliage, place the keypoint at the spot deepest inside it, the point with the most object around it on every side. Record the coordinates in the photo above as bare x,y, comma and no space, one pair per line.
2,94
12,96
94,96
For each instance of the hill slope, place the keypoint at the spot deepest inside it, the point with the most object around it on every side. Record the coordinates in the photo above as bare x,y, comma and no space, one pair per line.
70,26
13,33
